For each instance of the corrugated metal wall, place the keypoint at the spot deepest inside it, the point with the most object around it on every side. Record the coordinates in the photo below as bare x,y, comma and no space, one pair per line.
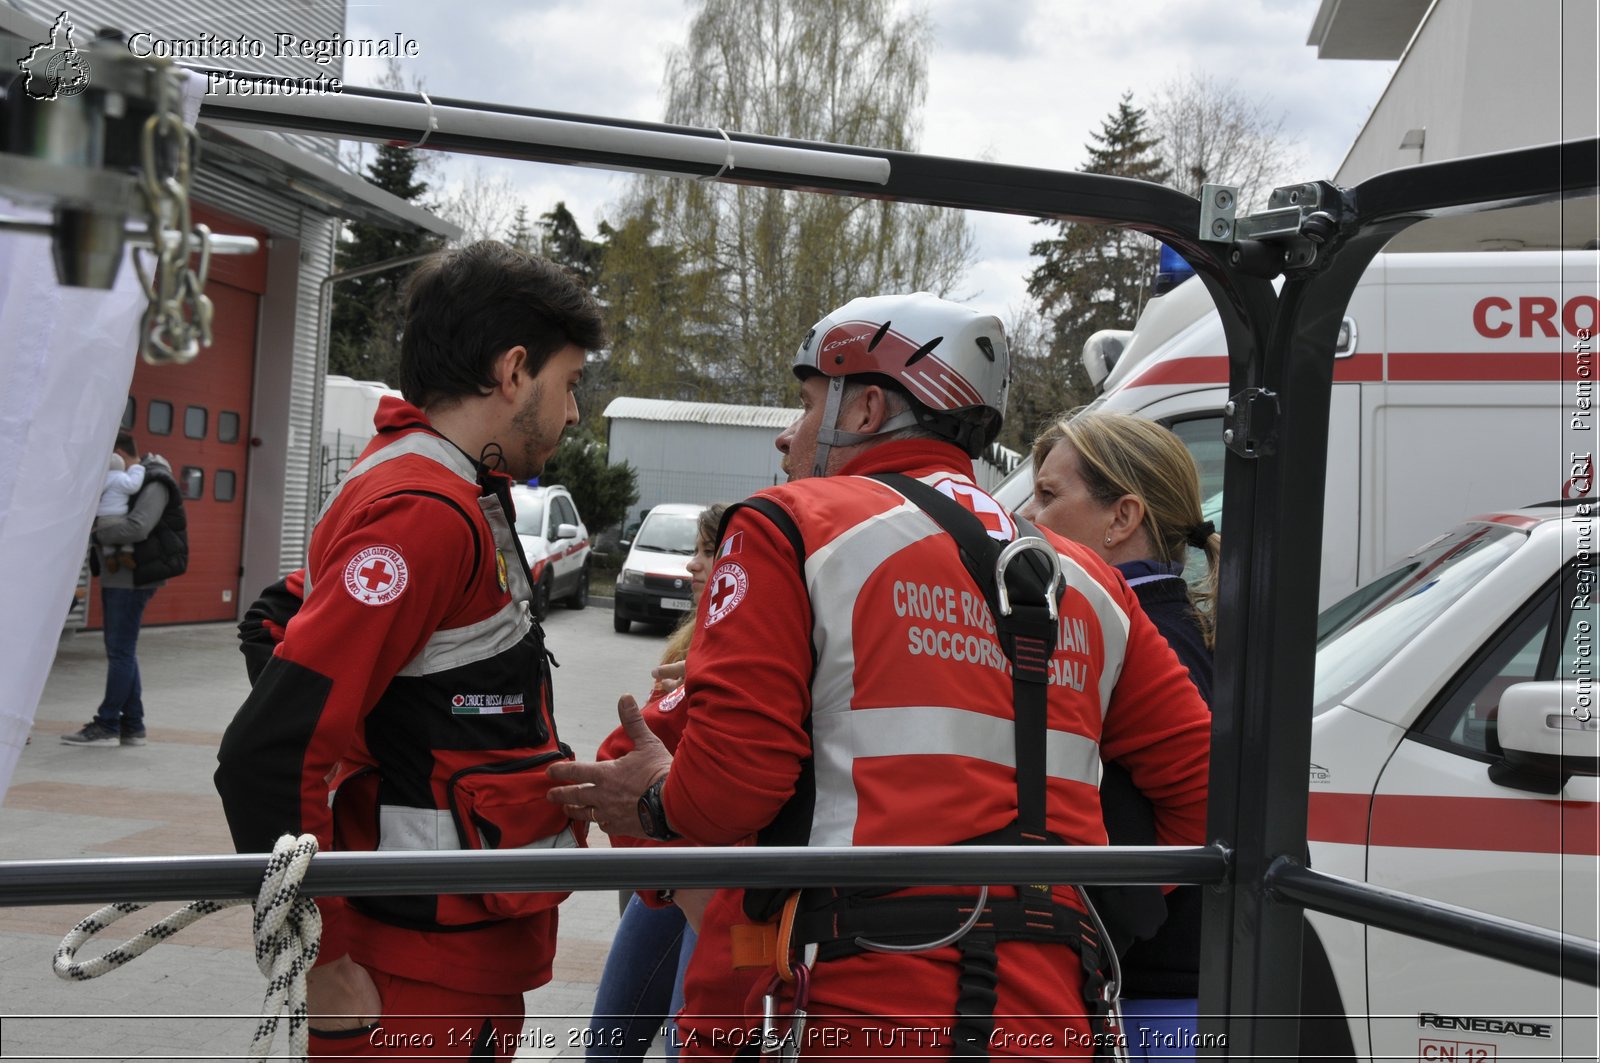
699,463
186,20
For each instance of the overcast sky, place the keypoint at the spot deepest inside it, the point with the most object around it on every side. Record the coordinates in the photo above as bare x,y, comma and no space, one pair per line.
1014,81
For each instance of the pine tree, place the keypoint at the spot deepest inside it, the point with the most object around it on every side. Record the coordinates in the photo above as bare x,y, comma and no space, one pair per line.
1093,276
521,235
562,241
364,340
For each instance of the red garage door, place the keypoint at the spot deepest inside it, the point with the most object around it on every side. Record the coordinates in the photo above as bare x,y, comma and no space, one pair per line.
197,416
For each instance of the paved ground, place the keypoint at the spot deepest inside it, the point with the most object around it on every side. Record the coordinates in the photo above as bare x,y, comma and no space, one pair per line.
197,995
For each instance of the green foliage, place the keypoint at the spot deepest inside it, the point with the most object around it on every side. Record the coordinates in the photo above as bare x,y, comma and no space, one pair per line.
602,492
364,336
562,241
1093,277
753,268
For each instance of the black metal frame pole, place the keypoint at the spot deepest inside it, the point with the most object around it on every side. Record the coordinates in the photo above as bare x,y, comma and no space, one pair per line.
1533,947
1266,648
176,878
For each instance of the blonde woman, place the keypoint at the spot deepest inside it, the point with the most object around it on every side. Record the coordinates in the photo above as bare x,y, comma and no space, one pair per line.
1128,489
642,984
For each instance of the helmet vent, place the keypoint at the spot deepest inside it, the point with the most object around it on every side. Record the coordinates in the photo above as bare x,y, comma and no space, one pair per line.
987,347
805,344
878,336
924,349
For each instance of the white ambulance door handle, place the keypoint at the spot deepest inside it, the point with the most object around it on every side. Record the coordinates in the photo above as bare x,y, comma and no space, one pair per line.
1345,345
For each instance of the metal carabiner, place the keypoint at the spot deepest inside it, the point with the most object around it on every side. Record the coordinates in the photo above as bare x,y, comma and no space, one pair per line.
949,939
1018,546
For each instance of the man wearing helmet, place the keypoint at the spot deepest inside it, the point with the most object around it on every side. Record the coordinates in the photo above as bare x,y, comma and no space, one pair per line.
854,683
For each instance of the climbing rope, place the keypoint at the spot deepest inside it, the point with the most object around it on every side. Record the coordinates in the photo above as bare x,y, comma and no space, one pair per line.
287,930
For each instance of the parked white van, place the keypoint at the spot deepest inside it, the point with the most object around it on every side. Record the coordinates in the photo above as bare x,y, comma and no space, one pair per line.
1463,383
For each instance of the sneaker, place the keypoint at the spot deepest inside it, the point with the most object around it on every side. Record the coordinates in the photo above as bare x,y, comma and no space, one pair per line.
132,736
94,733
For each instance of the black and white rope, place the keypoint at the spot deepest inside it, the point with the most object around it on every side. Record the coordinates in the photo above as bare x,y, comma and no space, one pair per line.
287,930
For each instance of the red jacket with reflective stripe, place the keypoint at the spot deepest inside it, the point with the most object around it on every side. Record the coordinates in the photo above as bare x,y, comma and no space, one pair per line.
413,678
910,711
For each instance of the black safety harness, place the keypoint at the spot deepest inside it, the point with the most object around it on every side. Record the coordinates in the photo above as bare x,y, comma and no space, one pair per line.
1024,603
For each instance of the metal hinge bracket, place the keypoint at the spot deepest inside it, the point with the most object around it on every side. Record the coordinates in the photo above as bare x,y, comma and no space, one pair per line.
1250,423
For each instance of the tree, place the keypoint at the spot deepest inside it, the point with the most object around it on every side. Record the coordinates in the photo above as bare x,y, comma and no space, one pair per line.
521,236
562,241
1093,276
773,262
364,335
603,492
1210,132
482,204
1045,382
656,311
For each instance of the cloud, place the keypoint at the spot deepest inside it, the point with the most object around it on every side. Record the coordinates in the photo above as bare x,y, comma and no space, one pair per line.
1013,81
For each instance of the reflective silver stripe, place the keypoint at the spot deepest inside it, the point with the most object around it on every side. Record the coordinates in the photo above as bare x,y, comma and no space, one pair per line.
505,540
402,829
841,739
835,575
1113,625
423,444
453,647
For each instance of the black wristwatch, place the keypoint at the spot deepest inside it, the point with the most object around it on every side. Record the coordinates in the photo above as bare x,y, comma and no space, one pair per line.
652,817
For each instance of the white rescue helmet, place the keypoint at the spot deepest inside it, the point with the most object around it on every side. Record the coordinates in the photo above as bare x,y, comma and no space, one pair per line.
952,361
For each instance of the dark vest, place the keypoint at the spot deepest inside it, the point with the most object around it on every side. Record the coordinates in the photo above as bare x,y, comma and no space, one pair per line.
164,553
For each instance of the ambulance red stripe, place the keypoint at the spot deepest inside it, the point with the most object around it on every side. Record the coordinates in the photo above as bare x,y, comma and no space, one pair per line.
1404,366
1484,824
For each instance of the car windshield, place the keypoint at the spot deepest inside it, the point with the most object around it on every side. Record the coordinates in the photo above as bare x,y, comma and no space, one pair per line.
667,533
1358,635
530,513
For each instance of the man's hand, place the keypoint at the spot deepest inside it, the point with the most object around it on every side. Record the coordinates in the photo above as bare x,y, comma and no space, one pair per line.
607,793
669,677
341,995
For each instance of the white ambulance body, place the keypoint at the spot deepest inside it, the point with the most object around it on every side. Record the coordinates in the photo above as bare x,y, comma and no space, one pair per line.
1453,756
1450,396
1463,386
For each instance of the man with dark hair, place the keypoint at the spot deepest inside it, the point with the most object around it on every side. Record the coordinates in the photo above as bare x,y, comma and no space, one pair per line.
408,705
157,530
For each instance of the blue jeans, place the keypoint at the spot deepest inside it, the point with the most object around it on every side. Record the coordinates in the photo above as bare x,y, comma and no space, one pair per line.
123,608
642,985
1164,1029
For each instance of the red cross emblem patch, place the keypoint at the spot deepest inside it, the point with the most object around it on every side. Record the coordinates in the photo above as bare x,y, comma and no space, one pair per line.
729,584
376,576
996,521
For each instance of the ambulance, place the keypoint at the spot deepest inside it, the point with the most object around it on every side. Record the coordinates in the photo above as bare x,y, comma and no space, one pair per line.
1454,739
1462,383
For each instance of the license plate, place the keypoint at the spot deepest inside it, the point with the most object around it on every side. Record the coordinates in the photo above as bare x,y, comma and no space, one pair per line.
682,605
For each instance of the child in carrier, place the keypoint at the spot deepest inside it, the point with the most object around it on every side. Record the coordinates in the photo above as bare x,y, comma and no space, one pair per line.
122,483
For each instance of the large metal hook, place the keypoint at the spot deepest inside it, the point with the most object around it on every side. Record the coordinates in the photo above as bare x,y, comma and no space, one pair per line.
1018,546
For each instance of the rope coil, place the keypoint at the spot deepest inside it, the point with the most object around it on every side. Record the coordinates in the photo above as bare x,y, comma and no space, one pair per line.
287,929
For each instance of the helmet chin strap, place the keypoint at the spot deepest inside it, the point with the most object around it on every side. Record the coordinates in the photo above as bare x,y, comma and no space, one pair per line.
829,435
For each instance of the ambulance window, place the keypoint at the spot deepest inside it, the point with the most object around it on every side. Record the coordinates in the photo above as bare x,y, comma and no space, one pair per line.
1358,635
1203,437
1465,717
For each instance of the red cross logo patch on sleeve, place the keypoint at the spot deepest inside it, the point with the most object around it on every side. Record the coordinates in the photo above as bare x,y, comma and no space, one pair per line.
728,586
376,576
